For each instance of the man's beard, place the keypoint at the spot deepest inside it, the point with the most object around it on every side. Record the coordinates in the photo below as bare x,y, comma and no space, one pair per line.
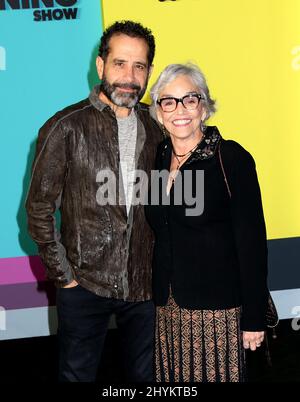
123,99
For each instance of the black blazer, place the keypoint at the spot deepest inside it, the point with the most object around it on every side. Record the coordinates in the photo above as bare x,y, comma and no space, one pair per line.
217,260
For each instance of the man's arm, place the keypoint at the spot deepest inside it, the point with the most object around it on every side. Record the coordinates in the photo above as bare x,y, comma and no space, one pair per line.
46,186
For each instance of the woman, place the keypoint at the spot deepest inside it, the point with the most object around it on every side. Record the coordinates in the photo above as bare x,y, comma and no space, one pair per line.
210,267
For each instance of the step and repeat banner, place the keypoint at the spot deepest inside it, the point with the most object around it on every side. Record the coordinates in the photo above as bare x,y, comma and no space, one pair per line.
250,54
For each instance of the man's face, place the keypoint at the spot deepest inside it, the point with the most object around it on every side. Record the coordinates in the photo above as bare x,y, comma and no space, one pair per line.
125,72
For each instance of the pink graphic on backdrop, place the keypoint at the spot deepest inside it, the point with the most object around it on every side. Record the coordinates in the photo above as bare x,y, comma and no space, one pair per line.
21,270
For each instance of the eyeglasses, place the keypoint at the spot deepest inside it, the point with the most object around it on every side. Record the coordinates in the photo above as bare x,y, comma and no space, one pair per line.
190,102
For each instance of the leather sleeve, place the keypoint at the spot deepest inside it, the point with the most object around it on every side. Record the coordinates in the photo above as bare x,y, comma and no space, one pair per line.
43,199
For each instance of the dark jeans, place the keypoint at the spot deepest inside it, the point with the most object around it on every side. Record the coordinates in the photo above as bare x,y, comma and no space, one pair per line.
83,319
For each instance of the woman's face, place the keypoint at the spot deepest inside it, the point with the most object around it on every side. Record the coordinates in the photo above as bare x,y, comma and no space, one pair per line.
181,123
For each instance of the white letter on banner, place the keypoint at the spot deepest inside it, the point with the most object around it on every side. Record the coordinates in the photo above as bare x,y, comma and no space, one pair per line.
2,58
2,319
296,59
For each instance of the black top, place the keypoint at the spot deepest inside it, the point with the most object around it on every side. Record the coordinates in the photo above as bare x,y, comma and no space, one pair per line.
218,259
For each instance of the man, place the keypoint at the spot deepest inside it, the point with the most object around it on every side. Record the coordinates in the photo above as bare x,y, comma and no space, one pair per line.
101,261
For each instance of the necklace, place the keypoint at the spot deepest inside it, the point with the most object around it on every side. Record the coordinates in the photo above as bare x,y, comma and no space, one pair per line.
181,156
174,172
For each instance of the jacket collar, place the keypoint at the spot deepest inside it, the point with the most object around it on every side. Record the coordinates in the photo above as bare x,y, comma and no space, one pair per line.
206,149
207,146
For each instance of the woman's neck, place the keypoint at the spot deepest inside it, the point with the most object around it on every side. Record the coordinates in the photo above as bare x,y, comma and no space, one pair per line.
183,145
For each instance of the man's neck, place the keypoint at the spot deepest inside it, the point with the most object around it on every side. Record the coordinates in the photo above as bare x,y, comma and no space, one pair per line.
118,110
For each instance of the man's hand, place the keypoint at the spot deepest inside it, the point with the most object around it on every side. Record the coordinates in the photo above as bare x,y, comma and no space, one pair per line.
252,340
71,285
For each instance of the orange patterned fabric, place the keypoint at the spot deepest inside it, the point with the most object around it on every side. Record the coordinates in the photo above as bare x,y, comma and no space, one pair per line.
198,345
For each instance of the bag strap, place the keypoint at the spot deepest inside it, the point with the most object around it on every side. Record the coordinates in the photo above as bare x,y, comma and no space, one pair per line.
223,170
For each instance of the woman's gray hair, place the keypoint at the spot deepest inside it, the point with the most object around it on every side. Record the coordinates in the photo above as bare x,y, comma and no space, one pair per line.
170,73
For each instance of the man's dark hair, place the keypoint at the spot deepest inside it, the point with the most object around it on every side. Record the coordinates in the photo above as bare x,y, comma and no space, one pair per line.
129,28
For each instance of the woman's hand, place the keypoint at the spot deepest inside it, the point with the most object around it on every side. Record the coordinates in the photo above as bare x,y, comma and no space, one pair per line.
252,340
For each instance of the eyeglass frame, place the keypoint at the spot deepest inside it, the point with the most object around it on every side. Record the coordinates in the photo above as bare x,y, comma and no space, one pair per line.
177,100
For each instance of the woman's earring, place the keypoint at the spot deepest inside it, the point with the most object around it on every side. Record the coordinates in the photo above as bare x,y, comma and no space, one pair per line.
165,131
203,127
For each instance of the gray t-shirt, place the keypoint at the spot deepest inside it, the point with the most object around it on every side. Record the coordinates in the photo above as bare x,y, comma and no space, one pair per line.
127,132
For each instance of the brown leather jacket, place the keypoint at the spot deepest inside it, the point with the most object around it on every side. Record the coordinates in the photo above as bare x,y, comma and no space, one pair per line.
106,251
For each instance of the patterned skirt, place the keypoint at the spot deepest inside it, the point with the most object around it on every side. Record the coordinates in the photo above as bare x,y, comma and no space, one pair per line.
198,345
